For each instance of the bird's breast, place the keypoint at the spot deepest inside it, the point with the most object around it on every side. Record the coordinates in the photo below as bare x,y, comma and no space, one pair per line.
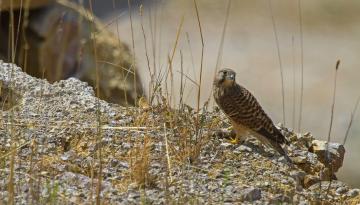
226,99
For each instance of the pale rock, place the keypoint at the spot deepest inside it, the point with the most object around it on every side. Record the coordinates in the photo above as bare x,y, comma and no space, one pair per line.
250,194
335,155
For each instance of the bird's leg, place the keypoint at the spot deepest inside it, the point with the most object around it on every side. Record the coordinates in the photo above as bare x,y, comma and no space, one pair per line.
228,134
238,137
233,137
225,133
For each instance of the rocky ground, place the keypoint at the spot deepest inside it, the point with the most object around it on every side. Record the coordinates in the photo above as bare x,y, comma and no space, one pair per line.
60,144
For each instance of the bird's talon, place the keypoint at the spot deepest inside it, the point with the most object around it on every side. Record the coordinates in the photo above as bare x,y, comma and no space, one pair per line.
234,141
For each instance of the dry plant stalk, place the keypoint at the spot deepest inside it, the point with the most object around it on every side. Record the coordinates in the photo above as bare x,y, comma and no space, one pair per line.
221,47
294,83
151,83
351,119
302,66
11,184
167,153
98,114
172,58
123,76
140,167
280,61
133,49
201,69
327,157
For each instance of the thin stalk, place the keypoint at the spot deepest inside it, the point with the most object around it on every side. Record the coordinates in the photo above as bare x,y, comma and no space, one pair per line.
24,27
189,78
302,66
167,153
11,190
153,37
98,113
331,123
147,56
166,79
201,70
123,76
31,179
18,26
171,59
191,53
133,50
181,81
92,183
161,7
280,62
351,120
221,47
294,83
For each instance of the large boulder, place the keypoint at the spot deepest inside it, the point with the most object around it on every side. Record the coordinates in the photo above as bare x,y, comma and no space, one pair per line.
63,40
330,154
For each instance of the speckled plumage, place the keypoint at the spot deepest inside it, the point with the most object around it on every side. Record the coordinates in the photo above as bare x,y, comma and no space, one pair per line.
244,111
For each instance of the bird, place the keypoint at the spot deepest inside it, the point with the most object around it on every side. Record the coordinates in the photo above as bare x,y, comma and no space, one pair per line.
245,113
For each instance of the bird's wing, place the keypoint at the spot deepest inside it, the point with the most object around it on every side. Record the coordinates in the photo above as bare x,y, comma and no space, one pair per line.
247,111
275,135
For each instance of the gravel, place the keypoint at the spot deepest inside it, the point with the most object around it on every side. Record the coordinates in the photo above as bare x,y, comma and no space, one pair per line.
153,155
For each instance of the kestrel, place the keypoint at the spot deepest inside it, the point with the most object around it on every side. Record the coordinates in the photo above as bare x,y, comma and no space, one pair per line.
245,113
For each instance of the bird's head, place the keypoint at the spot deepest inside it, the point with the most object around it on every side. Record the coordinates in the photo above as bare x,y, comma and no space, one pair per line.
225,77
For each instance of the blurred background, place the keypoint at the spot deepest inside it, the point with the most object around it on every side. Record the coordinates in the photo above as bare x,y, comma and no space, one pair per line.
163,31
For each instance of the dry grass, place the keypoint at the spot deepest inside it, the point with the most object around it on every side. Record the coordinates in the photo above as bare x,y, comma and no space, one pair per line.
140,164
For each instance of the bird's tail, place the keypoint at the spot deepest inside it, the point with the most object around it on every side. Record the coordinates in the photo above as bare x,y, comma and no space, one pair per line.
281,151
282,139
